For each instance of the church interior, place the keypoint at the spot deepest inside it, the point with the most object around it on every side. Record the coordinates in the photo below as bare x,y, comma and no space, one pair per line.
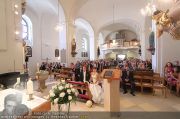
88,59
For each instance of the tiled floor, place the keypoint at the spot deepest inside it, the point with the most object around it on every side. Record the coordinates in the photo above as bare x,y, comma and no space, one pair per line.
140,103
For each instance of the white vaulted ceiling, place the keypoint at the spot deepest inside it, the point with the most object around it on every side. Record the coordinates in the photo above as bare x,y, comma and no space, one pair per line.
40,6
99,13
71,7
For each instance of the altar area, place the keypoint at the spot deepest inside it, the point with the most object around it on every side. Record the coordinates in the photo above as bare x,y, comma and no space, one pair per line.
139,103
128,104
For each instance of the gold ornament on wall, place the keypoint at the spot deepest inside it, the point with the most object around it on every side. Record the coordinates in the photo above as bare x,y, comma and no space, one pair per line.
168,21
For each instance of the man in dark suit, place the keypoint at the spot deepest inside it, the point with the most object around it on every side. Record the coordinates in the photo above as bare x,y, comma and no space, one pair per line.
77,73
127,77
84,77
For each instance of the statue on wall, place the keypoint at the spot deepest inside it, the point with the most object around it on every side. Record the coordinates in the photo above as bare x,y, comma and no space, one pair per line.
168,21
23,4
73,48
151,43
98,52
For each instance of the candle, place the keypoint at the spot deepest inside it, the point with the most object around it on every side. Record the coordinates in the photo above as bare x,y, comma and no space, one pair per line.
38,67
29,87
18,80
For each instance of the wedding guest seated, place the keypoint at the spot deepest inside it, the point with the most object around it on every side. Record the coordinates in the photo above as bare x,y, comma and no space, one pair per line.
169,71
43,66
78,68
177,66
178,84
148,64
127,77
141,66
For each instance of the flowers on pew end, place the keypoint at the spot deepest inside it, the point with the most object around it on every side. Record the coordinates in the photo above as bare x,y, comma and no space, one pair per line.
63,93
89,103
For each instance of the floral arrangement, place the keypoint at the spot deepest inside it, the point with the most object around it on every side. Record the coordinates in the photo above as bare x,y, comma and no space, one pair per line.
63,93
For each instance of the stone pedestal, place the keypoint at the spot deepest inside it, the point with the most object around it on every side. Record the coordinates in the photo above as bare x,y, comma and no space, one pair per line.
42,77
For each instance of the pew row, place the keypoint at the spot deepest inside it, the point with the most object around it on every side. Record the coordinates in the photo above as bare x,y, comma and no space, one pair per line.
82,86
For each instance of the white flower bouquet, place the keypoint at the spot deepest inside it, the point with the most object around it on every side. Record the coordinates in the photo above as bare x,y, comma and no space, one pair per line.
63,93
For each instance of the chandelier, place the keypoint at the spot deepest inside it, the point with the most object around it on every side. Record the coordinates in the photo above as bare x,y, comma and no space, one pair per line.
149,9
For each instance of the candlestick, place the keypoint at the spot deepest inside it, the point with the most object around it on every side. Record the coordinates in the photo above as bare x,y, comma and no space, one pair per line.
30,89
18,80
37,67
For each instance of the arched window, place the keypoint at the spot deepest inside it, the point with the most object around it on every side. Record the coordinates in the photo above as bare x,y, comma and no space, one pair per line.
84,44
27,34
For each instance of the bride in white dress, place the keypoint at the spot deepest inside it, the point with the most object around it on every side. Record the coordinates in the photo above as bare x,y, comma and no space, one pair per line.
95,89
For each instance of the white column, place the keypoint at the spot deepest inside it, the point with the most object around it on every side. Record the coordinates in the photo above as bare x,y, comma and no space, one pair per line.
92,47
95,46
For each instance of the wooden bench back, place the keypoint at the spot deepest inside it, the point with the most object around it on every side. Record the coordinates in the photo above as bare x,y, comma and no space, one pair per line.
144,73
82,86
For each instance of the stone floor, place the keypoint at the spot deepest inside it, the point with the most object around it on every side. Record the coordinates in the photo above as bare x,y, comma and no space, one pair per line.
142,102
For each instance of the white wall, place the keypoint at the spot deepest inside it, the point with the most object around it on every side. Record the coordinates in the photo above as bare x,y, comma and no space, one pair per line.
11,52
169,50
45,38
166,48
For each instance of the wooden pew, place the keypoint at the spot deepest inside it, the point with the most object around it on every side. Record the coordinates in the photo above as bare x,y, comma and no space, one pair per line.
82,86
64,73
143,78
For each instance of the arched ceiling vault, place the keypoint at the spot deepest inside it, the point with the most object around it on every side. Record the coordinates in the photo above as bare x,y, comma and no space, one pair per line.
42,6
71,7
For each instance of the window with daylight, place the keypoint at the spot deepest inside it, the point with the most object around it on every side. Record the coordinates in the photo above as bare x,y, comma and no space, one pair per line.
27,34
84,44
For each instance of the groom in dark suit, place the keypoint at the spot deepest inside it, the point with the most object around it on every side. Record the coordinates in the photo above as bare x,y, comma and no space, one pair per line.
84,77
127,77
